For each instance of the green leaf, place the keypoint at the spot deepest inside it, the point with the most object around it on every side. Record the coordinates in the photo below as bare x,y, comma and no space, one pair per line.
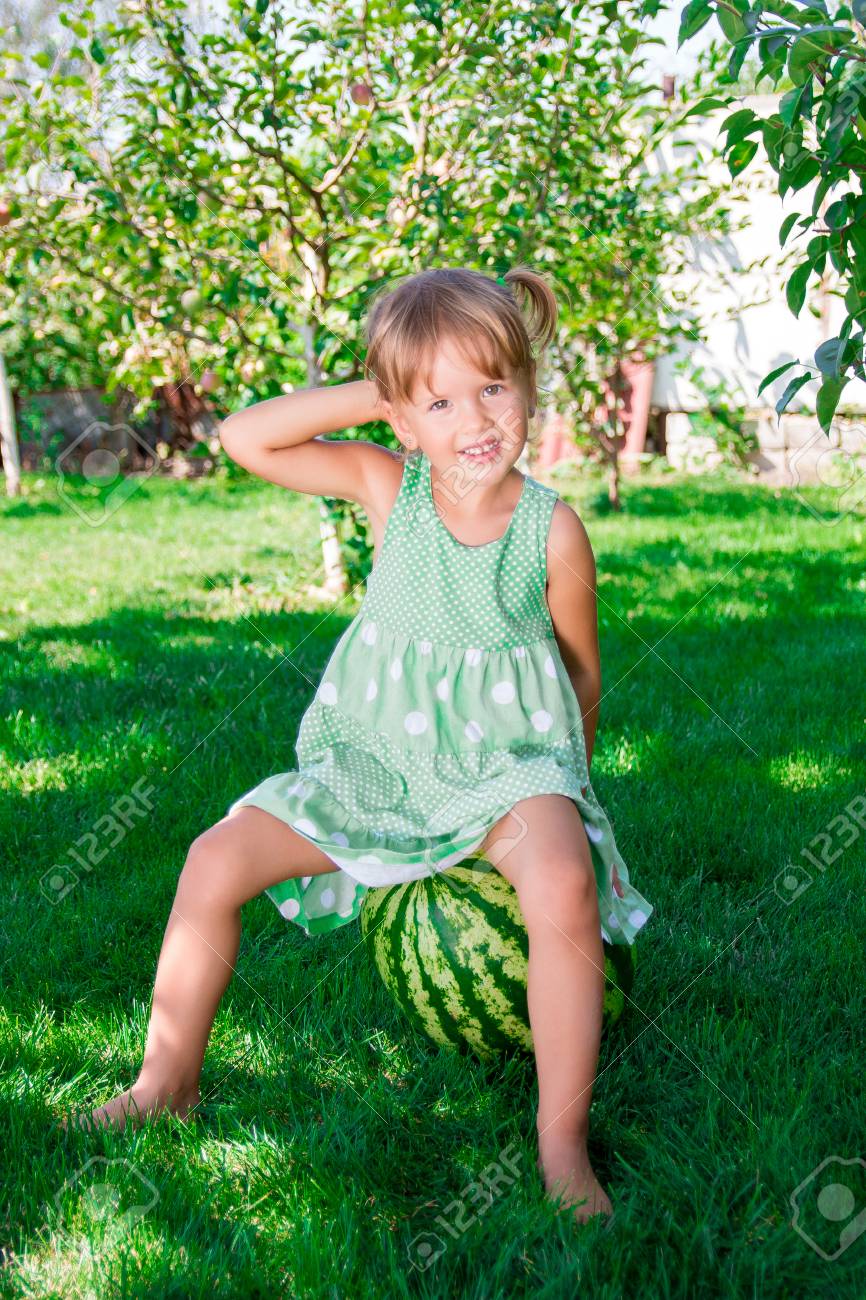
829,355
833,33
795,289
732,23
705,106
109,197
855,301
786,227
827,401
695,16
741,155
737,59
857,238
821,189
801,176
837,213
813,48
793,388
740,124
774,374
794,103
97,51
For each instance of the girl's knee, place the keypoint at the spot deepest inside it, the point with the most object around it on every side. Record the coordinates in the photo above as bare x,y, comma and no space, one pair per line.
214,870
562,891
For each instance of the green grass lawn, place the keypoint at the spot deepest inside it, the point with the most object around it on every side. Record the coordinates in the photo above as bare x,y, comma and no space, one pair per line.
173,642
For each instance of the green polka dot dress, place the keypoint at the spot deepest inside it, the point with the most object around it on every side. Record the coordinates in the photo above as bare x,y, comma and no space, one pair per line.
444,703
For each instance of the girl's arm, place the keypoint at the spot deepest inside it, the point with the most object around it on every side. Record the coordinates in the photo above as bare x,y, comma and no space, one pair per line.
571,600
281,440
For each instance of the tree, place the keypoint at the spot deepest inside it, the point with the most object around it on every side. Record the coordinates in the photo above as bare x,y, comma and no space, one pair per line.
9,436
237,196
818,134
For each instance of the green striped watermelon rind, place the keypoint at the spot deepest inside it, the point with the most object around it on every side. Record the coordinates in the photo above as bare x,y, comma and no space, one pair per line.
405,928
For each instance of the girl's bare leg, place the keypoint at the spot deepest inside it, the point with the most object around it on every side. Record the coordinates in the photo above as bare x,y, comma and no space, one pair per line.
230,863
551,870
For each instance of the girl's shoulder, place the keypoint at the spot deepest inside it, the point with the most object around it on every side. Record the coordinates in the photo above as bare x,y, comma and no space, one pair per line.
385,471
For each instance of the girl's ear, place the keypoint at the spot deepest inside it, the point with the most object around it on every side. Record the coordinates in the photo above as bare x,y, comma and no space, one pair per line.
396,421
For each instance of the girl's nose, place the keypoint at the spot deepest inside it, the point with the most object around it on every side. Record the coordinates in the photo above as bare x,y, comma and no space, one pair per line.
477,422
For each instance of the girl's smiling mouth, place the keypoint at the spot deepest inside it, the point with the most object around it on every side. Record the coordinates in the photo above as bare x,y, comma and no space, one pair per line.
483,450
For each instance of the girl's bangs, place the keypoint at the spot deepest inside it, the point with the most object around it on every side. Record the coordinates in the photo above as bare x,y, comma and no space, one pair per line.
480,347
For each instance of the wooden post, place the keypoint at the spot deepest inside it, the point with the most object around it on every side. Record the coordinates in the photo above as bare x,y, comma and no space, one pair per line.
9,436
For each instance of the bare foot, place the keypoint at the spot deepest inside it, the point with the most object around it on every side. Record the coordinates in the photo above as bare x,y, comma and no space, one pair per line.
133,1106
569,1179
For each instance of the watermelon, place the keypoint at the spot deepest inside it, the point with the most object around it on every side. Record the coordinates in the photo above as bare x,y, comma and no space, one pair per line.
453,950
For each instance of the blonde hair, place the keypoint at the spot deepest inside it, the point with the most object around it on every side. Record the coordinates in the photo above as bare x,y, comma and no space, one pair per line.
484,316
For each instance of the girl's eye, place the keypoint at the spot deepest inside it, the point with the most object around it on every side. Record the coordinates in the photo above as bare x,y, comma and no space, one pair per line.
435,404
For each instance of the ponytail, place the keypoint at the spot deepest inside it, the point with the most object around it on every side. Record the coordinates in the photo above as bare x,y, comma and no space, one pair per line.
532,292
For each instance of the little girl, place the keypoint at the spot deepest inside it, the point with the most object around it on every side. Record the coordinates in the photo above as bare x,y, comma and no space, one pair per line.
456,715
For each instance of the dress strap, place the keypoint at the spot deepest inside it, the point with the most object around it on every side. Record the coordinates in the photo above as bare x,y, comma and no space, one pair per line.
543,499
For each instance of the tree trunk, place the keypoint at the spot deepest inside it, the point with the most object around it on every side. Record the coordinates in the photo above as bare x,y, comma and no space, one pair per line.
9,436
336,583
613,481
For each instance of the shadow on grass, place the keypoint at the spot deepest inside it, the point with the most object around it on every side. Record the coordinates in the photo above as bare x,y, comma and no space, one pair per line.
709,717
712,497
31,509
